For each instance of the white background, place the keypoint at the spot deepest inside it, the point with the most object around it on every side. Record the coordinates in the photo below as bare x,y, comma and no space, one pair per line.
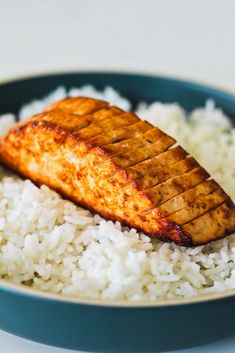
192,39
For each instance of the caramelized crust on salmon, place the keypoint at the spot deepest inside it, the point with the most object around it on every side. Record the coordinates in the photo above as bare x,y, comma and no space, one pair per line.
122,167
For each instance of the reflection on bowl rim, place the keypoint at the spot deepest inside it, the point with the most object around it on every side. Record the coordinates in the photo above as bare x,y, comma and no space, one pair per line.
33,293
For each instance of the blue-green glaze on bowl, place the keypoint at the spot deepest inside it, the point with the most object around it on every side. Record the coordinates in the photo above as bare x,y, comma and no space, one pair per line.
115,327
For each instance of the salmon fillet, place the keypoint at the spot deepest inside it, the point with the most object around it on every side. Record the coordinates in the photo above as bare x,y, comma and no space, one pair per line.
124,168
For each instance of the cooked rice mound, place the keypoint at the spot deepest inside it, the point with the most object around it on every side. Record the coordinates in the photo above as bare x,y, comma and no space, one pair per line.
53,245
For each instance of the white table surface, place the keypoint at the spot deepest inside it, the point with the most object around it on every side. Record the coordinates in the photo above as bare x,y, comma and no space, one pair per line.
189,39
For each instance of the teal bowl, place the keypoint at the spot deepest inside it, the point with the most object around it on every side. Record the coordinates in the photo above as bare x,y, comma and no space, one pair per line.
107,326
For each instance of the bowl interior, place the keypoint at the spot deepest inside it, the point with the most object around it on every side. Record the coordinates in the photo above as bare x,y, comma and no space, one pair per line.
135,87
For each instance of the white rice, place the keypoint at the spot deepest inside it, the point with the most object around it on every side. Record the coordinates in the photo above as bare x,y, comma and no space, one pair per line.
51,244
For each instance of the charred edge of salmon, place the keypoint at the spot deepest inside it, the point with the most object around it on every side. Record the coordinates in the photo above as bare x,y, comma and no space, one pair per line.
176,234
171,231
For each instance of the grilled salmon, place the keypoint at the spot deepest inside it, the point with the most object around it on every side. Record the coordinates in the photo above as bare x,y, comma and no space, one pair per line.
113,163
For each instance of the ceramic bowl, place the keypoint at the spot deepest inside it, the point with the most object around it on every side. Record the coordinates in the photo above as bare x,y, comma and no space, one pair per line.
95,326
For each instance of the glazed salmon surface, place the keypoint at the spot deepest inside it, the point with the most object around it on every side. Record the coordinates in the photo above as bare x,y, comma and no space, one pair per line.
124,168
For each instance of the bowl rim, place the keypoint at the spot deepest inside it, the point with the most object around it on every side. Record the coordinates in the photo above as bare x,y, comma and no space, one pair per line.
183,79
36,294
